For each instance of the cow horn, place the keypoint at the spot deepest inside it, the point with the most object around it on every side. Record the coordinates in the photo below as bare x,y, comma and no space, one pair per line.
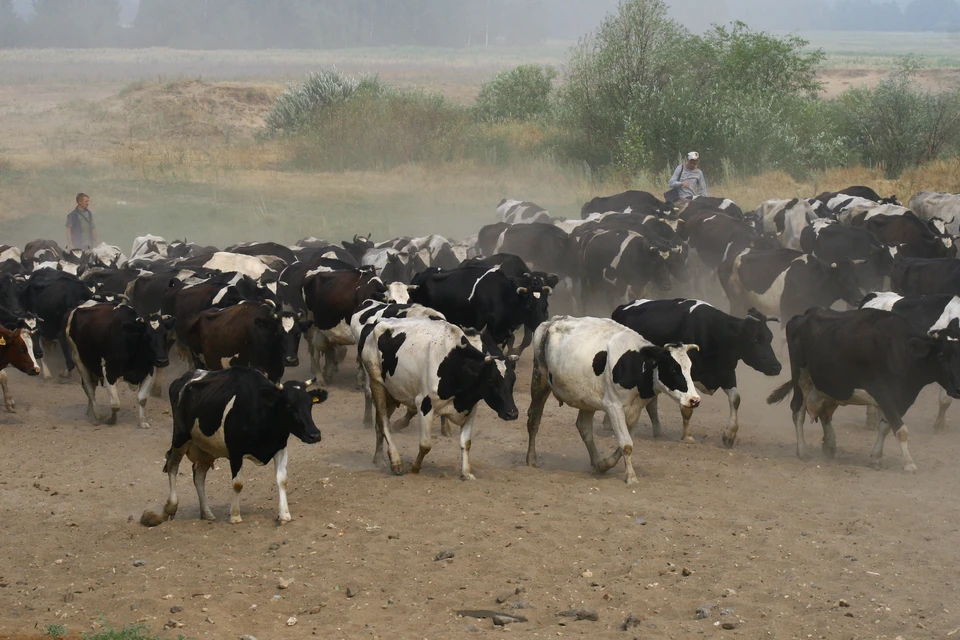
489,359
280,386
309,383
771,318
692,347
521,290
858,261
548,290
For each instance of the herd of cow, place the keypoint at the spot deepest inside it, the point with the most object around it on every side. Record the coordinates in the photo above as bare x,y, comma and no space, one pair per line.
434,322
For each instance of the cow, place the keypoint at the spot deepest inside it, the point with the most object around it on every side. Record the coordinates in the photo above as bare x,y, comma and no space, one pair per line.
597,364
786,219
224,262
930,205
891,224
103,256
250,334
865,193
482,298
113,281
50,295
148,245
109,341
724,341
714,236
235,414
37,251
619,265
928,314
918,276
330,297
435,368
521,212
785,283
183,303
17,348
699,203
863,357
260,249
628,202
8,252
543,247
832,242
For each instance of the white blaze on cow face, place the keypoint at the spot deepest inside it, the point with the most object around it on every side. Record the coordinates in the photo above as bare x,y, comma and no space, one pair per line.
690,397
215,444
27,337
950,313
398,292
287,323
154,324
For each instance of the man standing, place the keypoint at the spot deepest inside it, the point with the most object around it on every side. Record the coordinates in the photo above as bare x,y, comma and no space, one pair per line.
687,178
81,232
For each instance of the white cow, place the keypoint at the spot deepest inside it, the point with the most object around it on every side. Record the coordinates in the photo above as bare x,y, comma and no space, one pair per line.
597,364
930,204
786,219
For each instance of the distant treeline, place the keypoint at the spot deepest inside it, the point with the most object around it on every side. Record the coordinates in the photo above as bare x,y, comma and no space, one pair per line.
250,24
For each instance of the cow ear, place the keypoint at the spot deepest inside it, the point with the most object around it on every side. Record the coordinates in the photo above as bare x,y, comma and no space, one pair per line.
305,325
263,323
318,395
412,287
918,347
552,280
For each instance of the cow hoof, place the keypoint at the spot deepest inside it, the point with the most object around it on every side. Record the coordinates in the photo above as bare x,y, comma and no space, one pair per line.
468,476
632,480
690,440
284,519
65,375
144,425
445,430
910,468
11,408
397,469
414,469
47,377
876,464
805,457
208,516
110,419
728,442
169,512
830,452
235,519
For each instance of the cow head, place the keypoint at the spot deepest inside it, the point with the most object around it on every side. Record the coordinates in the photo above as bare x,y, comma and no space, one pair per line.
398,292
842,281
148,336
358,247
659,260
399,268
755,339
677,262
670,368
891,200
292,328
533,298
10,293
292,407
497,377
21,351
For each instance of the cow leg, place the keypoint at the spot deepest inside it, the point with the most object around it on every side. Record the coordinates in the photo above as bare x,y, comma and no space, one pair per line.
466,433
67,358
280,465
367,405
625,449
426,422
654,414
7,397
235,464
829,437
901,431
114,396
330,367
873,418
379,393
585,427
404,422
575,300
43,368
939,425
142,392
172,467
313,338
445,428
89,388
539,392
200,469
799,417
730,435
686,413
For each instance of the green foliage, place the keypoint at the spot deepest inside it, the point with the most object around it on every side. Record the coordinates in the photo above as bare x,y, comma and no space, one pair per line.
522,93
322,89
897,124
56,631
129,632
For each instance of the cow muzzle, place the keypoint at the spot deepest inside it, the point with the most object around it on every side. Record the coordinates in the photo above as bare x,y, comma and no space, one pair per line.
34,372
163,362
509,414
692,403
291,362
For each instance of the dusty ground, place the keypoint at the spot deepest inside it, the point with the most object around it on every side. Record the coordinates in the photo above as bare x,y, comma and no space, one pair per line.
776,541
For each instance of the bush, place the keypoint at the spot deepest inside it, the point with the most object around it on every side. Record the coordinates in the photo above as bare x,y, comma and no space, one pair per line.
298,104
898,125
522,93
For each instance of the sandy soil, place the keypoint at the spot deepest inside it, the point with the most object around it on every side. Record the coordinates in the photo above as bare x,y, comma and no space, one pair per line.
773,542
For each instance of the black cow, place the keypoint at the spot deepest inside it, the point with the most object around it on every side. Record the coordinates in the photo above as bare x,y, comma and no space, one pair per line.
113,281
480,298
715,236
250,334
785,283
290,282
619,264
627,202
50,295
274,249
543,247
917,276
724,341
857,192
833,242
235,414
916,238
700,203
865,357
110,341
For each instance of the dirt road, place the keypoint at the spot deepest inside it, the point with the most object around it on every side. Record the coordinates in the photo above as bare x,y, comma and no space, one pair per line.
772,543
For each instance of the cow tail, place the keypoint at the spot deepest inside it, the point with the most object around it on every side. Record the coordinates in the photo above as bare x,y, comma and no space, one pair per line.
780,392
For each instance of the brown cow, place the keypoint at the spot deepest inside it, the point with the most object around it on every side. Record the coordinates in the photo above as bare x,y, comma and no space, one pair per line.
250,334
17,348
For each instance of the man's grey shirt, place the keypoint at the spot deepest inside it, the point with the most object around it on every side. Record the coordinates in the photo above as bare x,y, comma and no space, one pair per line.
698,184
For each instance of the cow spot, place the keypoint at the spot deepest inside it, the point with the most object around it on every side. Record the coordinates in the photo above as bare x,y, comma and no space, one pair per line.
599,363
389,345
426,406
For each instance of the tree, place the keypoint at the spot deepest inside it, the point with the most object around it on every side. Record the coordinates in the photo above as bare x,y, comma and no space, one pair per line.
11,25
75,23
932,15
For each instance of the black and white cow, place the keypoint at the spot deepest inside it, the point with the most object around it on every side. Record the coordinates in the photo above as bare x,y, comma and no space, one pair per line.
597,364
235,414
627,202
700,203
785,283
436,368
865,193
895,225
521,212
836,243
543,247
50,295
918,276
786,219
724,341
110,341
931,205
928,314
863,357
618,265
